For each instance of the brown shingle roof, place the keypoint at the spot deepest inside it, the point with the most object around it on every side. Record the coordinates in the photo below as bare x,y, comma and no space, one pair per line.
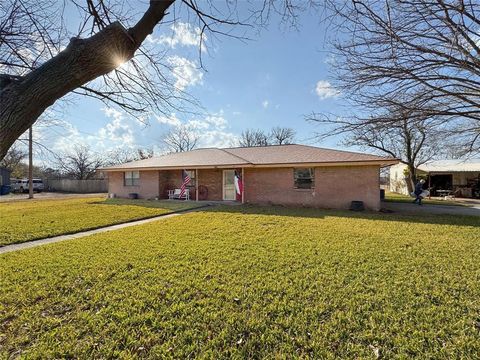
291,154
276,155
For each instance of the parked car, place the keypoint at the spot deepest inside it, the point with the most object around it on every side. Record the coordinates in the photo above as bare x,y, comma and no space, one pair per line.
21,185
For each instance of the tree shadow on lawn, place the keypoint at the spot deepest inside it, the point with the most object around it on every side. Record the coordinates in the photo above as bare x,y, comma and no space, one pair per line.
276,210
172,205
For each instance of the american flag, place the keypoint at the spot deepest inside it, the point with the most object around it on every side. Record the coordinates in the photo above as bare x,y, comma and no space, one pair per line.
185,181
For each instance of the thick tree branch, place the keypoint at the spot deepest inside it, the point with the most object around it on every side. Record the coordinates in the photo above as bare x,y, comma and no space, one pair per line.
22,101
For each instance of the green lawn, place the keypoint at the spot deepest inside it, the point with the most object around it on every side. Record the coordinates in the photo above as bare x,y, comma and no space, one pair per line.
395,197
25,220
250,283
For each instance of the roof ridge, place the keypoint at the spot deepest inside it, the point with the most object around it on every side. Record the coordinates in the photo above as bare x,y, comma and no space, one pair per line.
228,152
260,146
340,150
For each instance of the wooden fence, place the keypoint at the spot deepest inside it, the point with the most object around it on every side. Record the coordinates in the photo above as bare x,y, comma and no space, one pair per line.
76,186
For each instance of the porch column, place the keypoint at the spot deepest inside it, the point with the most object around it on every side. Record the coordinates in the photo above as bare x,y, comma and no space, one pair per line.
196,184
243,187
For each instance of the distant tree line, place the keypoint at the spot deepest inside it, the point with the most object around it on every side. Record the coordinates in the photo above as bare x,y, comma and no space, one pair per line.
79,163
276,136
184,138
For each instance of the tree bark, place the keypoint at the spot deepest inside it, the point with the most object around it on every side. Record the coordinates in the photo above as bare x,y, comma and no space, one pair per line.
30,163
412,179
24,99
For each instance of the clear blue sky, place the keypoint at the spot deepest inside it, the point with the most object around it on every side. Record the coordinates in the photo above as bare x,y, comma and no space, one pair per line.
268,81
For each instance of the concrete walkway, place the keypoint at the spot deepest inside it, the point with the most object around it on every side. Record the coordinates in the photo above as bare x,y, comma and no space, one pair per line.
50,240
473,210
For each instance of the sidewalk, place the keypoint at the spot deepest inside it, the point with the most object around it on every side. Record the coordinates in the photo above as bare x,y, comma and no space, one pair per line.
35,243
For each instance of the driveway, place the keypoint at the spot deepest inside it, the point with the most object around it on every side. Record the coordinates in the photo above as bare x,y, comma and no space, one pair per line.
472,210
48,195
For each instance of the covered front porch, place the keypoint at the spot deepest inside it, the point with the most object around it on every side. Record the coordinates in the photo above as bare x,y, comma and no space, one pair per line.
209,185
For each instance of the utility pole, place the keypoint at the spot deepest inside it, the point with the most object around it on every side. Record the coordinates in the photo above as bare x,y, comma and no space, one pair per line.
30,163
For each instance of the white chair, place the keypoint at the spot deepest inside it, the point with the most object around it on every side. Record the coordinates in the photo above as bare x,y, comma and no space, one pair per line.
175,194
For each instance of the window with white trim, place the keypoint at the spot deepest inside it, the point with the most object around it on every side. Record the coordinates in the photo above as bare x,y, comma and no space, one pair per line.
131,178
191,174
304,178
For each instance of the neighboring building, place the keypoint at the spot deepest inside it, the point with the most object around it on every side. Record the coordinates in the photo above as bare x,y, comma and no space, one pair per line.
458,177
4,176
4,181
296,175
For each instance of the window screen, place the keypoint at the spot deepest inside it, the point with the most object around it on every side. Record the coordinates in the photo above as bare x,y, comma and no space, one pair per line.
132,178
304,178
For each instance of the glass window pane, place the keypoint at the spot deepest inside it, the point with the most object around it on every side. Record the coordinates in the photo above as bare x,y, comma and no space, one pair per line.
304,178
191,173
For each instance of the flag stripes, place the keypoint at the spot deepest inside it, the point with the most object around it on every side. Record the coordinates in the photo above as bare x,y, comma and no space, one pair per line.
185,180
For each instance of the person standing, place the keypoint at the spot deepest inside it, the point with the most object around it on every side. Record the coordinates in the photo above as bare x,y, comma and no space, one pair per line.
418,191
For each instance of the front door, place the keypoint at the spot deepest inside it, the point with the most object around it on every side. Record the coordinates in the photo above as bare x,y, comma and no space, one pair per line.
229,185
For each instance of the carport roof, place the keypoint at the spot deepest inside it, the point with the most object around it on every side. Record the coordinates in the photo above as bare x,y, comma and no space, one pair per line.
261,156
471,165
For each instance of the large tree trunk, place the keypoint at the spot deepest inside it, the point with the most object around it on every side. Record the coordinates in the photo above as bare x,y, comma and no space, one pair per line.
412,177
24,99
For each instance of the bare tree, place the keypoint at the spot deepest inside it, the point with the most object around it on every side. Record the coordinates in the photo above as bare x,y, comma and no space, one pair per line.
411,136
80,164
181,138
427,51
13,161
44,60
252,137
282,135
124,155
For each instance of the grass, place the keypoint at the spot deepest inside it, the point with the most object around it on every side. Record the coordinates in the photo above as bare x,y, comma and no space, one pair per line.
250,282
35,219
395,197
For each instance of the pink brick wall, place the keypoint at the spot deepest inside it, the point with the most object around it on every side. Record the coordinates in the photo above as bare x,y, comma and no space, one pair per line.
169,179
335,187
213,180
149,187
156,183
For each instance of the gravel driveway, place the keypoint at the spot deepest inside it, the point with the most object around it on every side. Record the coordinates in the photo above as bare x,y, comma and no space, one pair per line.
48,195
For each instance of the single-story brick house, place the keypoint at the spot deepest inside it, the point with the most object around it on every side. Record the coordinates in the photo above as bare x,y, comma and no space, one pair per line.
281,174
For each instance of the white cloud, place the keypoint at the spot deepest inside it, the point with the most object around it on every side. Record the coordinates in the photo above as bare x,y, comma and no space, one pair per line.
71,138
325,90
218,138
265,104
211,130
169,120
183,34
117,130
185,72
197,124
217,120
